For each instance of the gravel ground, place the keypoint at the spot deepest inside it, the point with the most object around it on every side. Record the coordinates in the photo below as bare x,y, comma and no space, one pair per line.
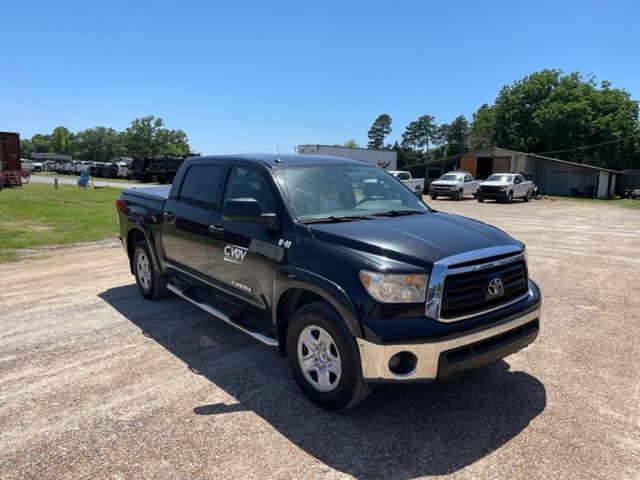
96,382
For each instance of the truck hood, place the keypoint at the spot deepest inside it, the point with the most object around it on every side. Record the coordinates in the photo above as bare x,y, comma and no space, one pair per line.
446,183
419,240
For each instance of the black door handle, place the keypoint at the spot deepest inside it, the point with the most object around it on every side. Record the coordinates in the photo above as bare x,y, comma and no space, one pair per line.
169,216
216,230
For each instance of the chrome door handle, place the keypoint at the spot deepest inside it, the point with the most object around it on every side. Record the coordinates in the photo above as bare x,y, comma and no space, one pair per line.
216,230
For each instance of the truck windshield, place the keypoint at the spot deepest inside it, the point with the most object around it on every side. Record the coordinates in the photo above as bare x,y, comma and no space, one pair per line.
500,178
345,191
453,177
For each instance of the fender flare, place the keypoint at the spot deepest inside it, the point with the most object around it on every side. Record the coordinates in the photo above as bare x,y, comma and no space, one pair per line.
146,233
297,278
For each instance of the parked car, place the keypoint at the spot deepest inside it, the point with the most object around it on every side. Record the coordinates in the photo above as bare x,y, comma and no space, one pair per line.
95,169
337,264
31,166
124,168
49,165
505,187
413,184
108,170
454,185
79,167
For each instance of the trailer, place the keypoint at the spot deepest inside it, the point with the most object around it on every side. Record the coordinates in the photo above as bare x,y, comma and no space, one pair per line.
11,171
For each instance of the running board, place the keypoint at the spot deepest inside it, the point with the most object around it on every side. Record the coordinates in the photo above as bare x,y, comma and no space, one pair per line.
272,342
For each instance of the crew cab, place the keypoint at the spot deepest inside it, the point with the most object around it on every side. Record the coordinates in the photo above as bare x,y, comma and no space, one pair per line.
335,263
413,184
505,187
454,185
31,166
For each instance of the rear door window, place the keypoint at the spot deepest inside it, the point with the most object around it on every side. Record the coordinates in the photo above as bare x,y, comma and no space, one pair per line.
200,185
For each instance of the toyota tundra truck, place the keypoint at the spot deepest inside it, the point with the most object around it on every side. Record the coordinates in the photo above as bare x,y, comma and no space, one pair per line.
337,265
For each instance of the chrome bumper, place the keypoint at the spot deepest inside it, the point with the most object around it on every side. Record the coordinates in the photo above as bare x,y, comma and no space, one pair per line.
375,358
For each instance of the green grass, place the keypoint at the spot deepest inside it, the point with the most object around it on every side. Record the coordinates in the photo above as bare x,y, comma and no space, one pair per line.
619,202
35,215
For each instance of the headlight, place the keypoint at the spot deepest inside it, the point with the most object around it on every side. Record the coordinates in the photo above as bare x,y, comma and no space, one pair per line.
392,288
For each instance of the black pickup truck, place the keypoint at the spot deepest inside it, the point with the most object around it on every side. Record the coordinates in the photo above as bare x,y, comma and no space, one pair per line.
336,263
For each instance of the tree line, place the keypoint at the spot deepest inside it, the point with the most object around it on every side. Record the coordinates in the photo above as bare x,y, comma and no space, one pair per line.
570,117
144,136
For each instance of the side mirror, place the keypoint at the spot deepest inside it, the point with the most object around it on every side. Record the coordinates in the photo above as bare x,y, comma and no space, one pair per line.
247,210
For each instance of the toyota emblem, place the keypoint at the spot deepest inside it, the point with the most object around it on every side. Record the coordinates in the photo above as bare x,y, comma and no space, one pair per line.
495,287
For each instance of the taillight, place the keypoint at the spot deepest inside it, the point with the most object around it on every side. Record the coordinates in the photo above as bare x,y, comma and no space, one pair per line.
119,204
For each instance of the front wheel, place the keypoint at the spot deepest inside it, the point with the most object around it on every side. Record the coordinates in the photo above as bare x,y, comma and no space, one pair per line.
324,358
480,199
509,198
459,195
434,197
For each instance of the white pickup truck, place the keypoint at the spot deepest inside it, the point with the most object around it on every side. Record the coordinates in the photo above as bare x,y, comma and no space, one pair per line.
454,185
505,187
412,184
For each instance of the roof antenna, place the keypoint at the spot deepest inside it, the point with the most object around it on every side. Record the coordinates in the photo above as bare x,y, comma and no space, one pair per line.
284,176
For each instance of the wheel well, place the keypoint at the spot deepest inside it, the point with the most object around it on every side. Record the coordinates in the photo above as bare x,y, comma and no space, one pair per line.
288,304
134,237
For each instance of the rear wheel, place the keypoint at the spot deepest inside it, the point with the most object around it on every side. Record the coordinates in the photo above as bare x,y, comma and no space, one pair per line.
527,197
150,283
324,358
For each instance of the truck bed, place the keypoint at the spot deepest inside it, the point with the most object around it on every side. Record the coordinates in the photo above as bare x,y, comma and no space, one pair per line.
151,198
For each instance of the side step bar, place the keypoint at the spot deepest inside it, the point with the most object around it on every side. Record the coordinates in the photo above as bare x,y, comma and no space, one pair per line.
272,342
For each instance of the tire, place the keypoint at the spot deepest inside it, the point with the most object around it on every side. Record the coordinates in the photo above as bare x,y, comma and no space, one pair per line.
509,197
150,283
321,324
527,197
459,195
434,197
480,200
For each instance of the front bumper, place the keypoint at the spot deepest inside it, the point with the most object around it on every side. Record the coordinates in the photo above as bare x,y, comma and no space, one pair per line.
444,358
445,193
491,195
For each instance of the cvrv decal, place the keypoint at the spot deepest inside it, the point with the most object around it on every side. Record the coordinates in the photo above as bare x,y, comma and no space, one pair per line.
234,254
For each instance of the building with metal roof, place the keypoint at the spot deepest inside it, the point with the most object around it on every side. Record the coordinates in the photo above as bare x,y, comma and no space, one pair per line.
552,175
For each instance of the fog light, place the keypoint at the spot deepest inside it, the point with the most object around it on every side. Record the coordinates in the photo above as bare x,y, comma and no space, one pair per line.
403,363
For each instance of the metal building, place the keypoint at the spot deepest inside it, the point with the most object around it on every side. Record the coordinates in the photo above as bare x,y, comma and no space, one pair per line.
552,176
387,159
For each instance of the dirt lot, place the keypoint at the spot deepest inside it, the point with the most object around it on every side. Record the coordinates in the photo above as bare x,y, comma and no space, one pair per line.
96,382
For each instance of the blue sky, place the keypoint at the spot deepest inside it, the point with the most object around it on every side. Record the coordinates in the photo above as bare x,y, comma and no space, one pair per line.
245,76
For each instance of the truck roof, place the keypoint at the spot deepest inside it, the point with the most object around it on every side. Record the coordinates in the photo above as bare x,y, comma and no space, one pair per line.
288,159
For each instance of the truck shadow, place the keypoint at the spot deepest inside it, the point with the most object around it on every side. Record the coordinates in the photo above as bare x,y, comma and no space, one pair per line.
399,432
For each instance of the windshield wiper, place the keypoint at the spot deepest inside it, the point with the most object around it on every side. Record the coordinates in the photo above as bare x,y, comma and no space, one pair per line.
336,218
397,213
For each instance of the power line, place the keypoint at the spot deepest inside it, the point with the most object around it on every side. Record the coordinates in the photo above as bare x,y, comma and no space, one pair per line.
590,146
